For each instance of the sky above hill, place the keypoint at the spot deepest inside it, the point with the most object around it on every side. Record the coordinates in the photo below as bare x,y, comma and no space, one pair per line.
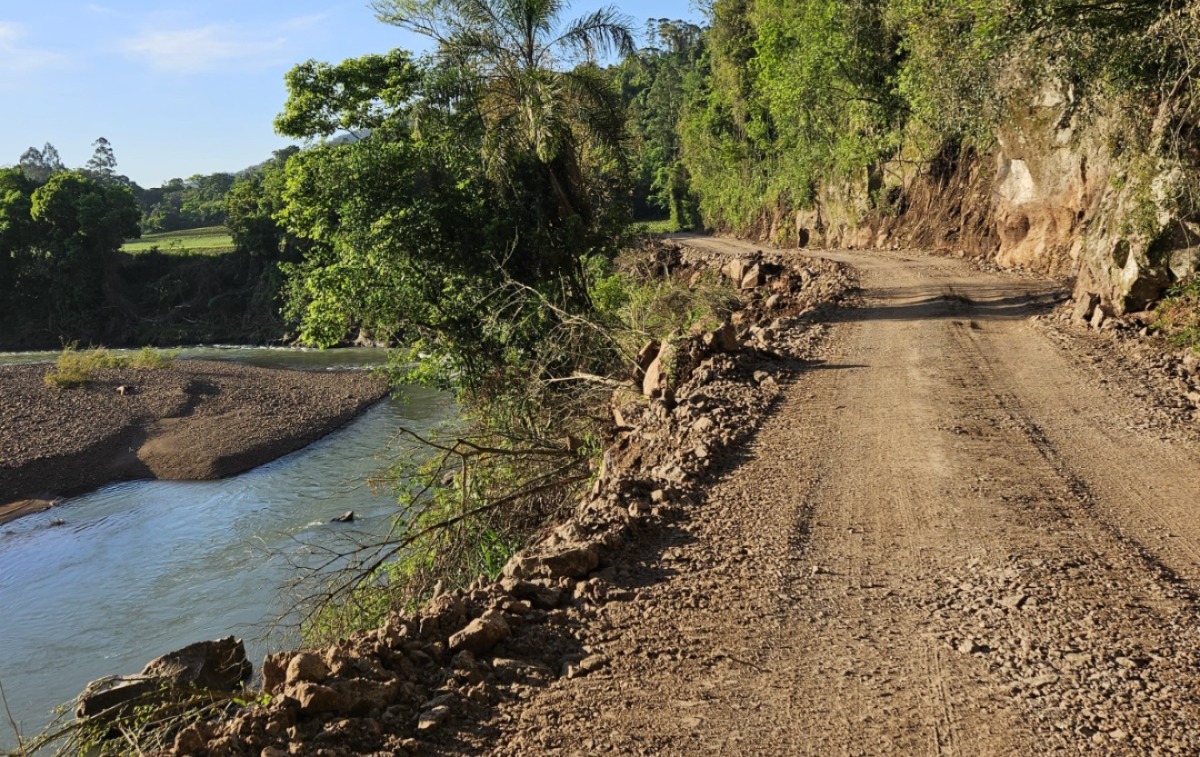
181,88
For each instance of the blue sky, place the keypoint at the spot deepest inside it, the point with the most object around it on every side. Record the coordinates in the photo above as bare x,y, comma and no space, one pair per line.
181,88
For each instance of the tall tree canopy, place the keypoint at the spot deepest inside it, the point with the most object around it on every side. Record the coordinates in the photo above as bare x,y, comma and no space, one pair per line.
476,187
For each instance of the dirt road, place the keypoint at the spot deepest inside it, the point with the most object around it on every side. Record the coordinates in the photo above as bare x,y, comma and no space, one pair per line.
956,536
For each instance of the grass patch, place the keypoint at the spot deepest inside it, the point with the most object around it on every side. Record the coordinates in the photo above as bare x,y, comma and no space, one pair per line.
211,240
661,226
1179,315
75,367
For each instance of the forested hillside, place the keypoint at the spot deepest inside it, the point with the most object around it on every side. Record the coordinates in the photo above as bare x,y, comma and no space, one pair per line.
1054,135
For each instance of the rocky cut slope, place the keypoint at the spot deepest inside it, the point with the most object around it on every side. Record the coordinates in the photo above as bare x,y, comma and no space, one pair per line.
1059,194
431,676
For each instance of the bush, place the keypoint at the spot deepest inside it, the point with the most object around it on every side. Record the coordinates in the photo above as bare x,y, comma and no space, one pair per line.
1179,315
148,358
75,367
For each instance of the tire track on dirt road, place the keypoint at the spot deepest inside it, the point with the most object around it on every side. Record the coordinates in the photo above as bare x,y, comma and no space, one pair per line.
901,566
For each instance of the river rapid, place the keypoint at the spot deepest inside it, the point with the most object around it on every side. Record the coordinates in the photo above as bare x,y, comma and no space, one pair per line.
142,568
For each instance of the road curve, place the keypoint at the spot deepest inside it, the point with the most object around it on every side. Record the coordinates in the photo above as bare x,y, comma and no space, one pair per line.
955,536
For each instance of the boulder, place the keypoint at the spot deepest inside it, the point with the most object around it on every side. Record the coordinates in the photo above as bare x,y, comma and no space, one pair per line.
753,278
574,561
656,382
306,666
107,698
647,354
481,634
725,338
1085,305
316,697
1098,318
274,672
220,665
736,270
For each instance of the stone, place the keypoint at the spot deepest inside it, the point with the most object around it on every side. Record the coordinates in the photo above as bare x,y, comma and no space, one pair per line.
647,354
274,672
433,718
346,517
306,666
481,634
773,301
544,597
1098,318
725,338
574,561
316,698
219,664
444,615
359,696
753,278
106,698
1085,305
189,741
656,382
1014,601
735,270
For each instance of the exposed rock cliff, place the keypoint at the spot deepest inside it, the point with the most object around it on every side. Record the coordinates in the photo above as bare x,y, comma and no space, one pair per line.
1065,191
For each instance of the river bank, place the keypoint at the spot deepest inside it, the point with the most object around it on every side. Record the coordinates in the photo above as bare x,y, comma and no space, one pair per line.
196,420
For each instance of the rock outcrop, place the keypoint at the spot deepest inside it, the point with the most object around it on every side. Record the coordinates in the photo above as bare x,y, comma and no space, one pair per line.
219,665
1060,194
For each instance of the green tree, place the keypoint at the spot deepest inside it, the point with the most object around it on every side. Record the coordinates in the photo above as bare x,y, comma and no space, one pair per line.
252,210
504,53
102,166
16,228
80,224
40,165
653,86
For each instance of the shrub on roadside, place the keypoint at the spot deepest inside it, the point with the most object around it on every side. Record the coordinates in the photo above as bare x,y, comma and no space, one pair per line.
1179,315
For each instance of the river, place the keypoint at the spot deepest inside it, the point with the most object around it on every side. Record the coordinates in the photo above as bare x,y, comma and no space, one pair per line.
142,568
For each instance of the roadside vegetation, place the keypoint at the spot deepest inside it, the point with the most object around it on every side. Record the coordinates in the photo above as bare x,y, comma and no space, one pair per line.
1179,316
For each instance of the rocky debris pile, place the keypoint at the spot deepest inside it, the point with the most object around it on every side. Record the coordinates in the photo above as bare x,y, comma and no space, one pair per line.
1078,668
389,690
1170,379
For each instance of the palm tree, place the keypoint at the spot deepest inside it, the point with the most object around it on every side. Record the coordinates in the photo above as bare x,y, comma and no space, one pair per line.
532,79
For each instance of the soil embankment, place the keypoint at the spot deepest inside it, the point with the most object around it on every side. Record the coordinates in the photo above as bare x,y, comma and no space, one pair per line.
195,420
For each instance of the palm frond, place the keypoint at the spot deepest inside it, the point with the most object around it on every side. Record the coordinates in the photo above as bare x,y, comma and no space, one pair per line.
602,32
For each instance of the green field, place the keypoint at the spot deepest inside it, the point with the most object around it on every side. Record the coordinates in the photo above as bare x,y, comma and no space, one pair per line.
213,240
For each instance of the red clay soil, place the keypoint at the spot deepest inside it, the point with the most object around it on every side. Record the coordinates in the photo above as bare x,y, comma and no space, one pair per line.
195,420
